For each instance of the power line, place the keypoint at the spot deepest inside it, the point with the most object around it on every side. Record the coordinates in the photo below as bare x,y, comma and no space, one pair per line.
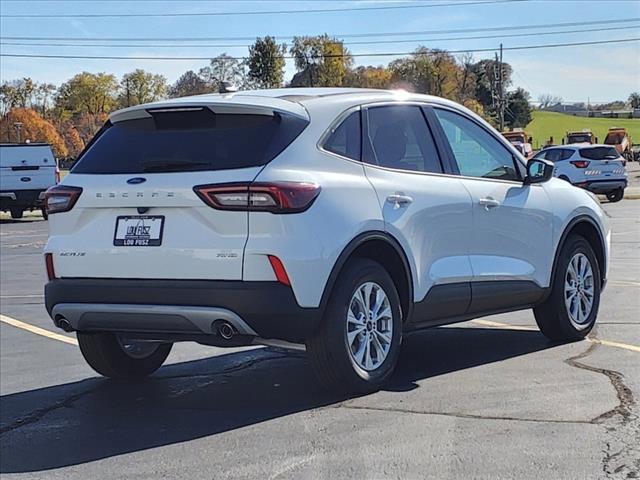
345,35
378,54
262,12
367,42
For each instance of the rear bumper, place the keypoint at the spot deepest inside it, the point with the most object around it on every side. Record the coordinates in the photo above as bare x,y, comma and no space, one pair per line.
604,186
265,309
21,198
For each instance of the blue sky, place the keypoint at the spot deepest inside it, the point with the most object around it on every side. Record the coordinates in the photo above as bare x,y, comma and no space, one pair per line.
597,72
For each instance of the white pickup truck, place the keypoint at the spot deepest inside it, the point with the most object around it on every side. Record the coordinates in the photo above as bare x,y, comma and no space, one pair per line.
26,171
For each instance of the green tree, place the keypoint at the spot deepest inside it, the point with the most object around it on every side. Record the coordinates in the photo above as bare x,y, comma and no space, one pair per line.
487,73
88,93
634,100
141,87
189,83
266,62
518,111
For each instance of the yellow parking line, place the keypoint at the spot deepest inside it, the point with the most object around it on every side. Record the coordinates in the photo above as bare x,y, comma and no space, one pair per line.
608,343
37,330
486,323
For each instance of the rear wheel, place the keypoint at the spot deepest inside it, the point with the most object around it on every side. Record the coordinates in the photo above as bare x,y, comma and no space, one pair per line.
357,345
565,178
615,195
116,357
16,213
570,311
45,215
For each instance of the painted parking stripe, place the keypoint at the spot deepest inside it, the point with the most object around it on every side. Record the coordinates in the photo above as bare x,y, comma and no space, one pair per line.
608,343
37,330
486,323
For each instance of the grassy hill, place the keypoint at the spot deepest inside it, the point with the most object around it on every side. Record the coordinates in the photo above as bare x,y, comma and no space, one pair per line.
546,124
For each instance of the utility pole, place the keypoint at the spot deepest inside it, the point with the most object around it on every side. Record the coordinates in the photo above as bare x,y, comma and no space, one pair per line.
501,105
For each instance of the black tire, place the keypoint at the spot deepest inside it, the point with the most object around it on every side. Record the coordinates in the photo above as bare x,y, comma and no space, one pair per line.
552,316
45,215
565,178
105,353
615,195
16,213
328,350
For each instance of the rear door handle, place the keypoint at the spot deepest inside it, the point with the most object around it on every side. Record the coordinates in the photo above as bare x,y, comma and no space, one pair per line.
399,200
489,202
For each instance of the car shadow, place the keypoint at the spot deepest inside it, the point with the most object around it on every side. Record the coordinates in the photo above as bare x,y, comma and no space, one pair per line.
8,221
84,421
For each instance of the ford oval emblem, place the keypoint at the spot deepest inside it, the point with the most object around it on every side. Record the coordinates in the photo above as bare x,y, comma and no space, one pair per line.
25,179
136,180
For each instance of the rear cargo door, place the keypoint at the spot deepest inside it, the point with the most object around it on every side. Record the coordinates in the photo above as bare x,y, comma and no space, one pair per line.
139,214
604,162
26,167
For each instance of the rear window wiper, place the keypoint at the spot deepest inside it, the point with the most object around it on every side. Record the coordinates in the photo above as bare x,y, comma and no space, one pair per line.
162,166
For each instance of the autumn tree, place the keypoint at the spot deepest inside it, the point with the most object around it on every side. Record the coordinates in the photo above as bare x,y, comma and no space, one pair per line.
88,93
368,77
465,79
34,129
223,68
321,61
266,62
189,83
141,87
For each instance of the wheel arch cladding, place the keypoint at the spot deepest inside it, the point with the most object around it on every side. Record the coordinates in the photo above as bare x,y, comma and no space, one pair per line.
385,250
586,228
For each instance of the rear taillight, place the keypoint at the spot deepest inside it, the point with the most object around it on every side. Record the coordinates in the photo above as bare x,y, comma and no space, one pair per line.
61,198
48,260
580,163
280,197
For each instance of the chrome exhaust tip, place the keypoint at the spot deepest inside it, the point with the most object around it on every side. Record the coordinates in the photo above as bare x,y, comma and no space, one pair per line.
226,330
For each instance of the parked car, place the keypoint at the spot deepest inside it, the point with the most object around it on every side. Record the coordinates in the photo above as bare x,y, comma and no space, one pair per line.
26,171
336,220
597,168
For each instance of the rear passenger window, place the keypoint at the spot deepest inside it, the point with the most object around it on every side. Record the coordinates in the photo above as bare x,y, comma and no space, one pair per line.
346,139
555,154
400,139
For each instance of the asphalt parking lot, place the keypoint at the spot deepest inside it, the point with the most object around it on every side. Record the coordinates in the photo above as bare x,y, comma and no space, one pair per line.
483,399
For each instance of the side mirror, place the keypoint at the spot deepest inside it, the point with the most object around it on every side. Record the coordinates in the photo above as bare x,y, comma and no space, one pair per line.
538,171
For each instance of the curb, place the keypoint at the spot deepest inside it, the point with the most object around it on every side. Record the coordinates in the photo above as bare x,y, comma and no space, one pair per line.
632,196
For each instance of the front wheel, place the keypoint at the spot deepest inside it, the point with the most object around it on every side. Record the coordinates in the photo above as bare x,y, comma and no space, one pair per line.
115,357
357,345
16,213
616,195
570,311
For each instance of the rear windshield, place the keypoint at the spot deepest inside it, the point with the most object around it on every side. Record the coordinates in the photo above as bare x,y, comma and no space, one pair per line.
555,154
599,153
193,140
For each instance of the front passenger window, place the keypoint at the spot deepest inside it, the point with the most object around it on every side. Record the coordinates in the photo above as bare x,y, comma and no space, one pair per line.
477,153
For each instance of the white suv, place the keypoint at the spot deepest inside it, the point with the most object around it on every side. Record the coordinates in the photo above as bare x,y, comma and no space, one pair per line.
336,219
597,168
